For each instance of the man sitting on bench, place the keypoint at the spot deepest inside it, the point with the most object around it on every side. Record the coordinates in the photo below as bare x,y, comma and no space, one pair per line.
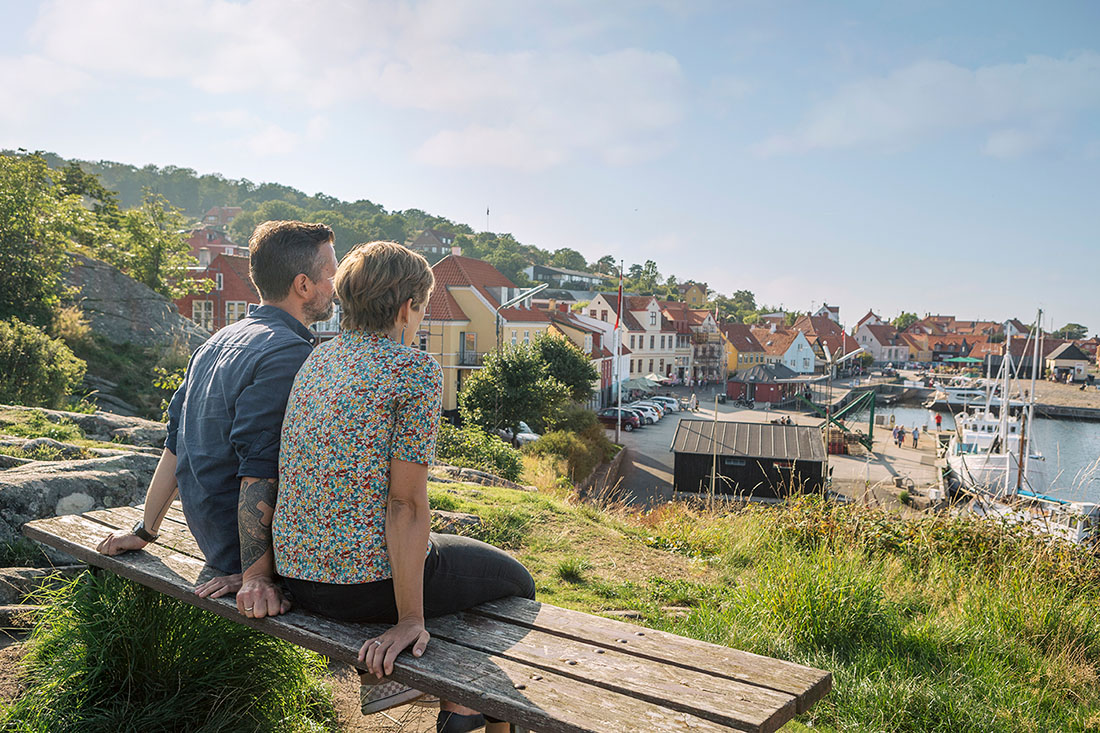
351,524
224,421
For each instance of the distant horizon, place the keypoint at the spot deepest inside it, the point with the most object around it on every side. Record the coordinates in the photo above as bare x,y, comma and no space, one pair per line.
910,156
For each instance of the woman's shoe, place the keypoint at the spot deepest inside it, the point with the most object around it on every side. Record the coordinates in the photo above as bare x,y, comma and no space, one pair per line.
450,722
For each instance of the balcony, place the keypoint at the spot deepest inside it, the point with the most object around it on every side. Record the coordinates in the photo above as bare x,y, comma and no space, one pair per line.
470,358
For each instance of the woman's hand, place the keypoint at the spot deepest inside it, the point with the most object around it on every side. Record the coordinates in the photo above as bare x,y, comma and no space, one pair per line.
220,586
380,652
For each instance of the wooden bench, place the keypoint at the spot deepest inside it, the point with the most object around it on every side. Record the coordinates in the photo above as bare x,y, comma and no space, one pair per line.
538,666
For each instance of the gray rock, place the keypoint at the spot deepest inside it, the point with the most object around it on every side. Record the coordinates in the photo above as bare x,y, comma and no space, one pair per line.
12,461
108,426
38,490
453,522
64,450
124,311
16,584
473,476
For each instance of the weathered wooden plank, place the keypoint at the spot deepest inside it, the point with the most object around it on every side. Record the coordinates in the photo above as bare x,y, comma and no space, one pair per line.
172,534
501,687
725,701
806,684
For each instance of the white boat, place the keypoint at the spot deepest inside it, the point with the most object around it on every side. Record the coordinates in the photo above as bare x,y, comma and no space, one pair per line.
992,459
984,455
963,393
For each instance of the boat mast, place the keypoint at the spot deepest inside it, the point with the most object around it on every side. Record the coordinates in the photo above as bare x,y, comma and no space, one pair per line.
1031,401
1007,367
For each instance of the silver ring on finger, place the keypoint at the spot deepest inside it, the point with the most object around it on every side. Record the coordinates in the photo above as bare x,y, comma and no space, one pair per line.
377,643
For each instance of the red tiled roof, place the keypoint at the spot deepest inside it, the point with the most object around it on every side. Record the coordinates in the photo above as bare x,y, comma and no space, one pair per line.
524,315
741,337
776,343
442,306
870,314
571,320
817,326
459,271
884,334
239,265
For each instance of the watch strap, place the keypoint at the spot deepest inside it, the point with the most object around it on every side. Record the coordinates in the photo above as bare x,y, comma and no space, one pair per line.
144,534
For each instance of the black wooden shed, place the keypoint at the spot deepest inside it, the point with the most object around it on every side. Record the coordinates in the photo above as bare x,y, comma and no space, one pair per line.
756,460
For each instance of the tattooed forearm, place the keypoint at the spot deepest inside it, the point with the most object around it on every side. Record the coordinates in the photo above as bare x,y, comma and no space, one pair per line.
254,512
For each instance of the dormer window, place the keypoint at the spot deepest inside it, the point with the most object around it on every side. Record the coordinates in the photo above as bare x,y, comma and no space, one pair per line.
653,318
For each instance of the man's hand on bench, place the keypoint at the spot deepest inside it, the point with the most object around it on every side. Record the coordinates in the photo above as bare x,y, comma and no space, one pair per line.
260,596
220,586
117,543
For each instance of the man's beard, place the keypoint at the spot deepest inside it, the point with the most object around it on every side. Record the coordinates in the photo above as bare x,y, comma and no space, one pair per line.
320,309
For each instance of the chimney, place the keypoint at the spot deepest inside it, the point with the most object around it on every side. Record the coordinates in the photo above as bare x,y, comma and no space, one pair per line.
456,251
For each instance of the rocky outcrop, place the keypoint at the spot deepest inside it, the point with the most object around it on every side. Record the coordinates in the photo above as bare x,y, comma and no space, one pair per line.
46,489
108,426
447,474
124,311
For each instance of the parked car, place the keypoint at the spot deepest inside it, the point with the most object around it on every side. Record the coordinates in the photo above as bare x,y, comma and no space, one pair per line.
661,409
526,434
610,417
671,403
650,413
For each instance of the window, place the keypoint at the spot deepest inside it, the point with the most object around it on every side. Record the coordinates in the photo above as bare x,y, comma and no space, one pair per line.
218,281
603,316
423,342
513,337
653,318
631,341
202,313
469,342
526,337
210,236
662,343
592,313
651,366
235,310
652,341
662,363
588,343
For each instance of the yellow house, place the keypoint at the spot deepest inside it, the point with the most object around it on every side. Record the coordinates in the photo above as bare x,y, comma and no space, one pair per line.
743,350
460,325
694,294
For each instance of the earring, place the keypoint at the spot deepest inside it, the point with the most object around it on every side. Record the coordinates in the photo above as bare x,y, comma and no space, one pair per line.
402,335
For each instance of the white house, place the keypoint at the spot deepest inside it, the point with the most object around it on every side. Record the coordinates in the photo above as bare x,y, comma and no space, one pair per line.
883,343
650,336
787,347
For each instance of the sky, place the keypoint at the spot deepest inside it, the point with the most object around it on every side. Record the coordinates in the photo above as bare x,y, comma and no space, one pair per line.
916,156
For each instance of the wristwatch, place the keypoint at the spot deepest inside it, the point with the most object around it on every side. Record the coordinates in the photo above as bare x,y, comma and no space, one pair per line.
141,532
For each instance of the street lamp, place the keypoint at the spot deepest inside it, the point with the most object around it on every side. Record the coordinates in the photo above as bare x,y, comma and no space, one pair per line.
513,301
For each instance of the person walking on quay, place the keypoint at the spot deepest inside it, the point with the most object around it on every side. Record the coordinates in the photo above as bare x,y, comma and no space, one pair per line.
900,436
939,421
916,435
894,434
694,403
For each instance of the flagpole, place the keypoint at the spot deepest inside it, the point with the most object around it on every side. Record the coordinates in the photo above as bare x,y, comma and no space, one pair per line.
618,358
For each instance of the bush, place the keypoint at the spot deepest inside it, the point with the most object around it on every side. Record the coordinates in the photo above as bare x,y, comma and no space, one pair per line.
472,447
35,369
573,419
582,452
110,655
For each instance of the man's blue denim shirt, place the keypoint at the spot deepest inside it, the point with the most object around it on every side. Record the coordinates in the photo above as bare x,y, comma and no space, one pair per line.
225,419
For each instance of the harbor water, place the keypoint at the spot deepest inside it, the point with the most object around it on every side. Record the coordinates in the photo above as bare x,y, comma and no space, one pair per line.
1071,449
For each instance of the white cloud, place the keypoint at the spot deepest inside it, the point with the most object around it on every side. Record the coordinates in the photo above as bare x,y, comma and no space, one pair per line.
1020,105
527,110
28,83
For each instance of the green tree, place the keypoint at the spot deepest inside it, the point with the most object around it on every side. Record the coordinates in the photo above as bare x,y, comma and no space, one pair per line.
607,264
567,258
905,320
1071,331
151,249
513,385
37,223
567,364
35,370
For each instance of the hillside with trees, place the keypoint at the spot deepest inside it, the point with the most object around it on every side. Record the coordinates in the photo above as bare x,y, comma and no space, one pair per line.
130,187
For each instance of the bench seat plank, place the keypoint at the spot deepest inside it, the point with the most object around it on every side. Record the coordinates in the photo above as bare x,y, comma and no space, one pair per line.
533,697
732,703
806,684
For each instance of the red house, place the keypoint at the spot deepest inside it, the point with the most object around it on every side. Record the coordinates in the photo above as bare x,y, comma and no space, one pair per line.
208,242
221,216
228,302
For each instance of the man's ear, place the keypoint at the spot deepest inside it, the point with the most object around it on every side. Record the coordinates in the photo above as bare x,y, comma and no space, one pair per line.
301,285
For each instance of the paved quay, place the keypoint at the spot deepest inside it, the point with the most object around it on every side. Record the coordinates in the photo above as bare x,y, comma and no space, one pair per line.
871,478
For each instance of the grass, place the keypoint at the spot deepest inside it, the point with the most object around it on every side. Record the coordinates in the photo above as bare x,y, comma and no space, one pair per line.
131,367
110,655
928,624
37,424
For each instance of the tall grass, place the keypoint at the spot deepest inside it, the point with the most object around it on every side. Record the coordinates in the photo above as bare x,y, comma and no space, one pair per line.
109,655
931,624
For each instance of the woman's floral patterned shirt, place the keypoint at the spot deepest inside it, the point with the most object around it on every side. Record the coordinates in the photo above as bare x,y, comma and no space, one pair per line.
358,401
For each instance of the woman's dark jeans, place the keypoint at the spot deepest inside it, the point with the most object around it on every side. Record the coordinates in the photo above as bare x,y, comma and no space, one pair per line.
459,573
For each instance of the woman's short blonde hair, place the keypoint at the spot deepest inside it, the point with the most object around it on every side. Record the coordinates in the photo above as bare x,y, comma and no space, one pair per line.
374,279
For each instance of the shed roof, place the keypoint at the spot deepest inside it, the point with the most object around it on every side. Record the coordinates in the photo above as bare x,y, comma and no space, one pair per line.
750,440
1070,351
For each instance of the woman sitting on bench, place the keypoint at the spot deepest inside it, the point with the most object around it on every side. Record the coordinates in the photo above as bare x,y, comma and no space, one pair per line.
351,529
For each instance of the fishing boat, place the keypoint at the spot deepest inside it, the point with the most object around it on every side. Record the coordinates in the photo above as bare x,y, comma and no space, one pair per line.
992,460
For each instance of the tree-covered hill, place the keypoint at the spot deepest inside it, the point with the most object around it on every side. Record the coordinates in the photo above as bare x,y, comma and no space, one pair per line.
364,221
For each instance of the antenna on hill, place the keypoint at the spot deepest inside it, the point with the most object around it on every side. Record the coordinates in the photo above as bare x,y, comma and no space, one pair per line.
486,218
